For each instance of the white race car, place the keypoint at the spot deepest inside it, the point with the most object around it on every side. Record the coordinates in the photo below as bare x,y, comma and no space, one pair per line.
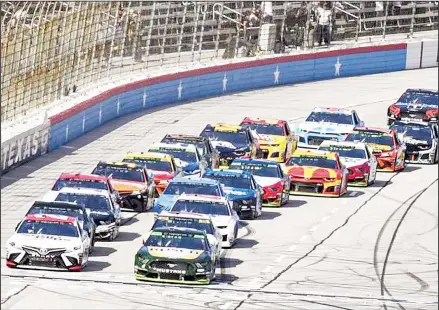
357,157
48,242
219,208
200,222
104,210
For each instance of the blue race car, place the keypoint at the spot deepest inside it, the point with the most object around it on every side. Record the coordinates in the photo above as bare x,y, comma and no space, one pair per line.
326,124
241,189
187,185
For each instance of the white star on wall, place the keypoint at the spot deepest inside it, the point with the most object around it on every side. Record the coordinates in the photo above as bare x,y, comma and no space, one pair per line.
337,66
145,95
225,82
180,90
276,75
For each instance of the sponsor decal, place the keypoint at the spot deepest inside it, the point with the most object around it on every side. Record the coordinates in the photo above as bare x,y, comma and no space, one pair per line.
164,270
19,150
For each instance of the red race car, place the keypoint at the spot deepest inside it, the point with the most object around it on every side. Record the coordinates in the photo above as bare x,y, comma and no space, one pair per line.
85,181
388,149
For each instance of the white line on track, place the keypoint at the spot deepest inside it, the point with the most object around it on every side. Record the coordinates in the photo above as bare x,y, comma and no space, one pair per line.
333,211
267,269
303,238
324,219
225,306
314,228
280,258
254,281
292,248
352,194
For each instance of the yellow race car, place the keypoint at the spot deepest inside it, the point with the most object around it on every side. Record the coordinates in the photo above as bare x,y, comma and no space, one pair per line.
275,137
162,166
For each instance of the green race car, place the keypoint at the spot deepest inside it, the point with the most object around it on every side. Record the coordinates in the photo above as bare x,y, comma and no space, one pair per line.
176,255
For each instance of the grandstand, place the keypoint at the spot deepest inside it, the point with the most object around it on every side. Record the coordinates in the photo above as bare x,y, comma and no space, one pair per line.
51,50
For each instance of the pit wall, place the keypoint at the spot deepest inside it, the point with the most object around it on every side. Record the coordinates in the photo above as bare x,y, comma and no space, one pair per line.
230,78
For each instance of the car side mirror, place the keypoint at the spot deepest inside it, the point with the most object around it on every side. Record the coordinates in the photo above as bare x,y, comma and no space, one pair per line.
212,240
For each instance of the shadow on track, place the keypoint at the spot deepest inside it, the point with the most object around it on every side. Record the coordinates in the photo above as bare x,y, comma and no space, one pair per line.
268,215
294,202
100,251
96,266
126,236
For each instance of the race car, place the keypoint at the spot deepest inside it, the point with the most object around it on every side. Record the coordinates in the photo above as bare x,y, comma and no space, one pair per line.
135,186
241,189
79,212
104,211
421,140
162,166
54,242
218,208
270,176
316,173
186,156
188,185
357,158
415,104
232,142
326,124
86,181
200,222
274,137
176,255
385,144
205,147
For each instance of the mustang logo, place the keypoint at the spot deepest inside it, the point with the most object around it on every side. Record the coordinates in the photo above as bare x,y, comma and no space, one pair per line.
172,265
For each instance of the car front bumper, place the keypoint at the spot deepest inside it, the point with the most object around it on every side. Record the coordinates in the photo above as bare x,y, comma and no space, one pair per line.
319,188
105,231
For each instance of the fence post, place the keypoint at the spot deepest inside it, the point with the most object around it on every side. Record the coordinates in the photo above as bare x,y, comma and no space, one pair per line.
218,31
165,31
386,8
180,37
412,23
194,37
200,45
148,40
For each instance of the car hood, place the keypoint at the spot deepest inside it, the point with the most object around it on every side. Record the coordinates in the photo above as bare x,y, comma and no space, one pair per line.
162,175
174,253
352,162
127,186
44,241
239,193
377,148
270,139
312,172
266,181
220,220
101,215
412,141
415,107
326,128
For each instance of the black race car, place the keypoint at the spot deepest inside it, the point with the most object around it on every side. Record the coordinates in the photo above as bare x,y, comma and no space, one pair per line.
68,209
205,147
415,104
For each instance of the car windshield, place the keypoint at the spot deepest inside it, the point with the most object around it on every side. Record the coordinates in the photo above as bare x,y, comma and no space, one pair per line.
236,138
313,161
199,224
260,170
422,133
419,98
380,139
231,181
209,208
121,173
76,213
48,228
183,155
267,129
61,183
201,146
349,152
189,188
151,164
92,202
181,241
325,117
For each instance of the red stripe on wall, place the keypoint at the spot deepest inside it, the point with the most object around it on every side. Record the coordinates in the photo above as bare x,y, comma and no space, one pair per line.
214,69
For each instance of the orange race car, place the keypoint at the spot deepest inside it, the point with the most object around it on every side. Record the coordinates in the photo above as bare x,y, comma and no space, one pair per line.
388,149
316,173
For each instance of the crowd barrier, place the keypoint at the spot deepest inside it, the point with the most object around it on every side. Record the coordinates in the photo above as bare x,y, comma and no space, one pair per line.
220,80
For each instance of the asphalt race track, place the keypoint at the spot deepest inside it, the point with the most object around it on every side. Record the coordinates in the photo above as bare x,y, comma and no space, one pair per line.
375,248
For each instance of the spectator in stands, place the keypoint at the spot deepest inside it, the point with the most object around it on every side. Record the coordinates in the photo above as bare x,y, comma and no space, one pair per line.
379,9
253,19
324,20
312,25
301,18
267,11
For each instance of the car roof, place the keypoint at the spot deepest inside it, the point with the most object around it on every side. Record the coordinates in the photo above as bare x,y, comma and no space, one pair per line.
350,144
312,152
81,190
374,130
149,155
182,230
183,146
422,90
412,123
333,110
195,180
267,121
57,204
205,198
184,215
255,161
221,127
81,176
119,164
51,218
184,137
225,172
